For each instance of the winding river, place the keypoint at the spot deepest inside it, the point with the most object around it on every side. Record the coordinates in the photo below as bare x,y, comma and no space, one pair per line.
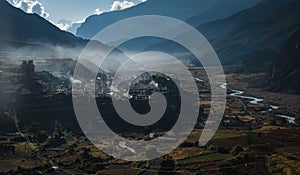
254,100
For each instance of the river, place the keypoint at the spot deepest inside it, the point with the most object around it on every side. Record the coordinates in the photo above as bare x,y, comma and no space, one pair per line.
253,100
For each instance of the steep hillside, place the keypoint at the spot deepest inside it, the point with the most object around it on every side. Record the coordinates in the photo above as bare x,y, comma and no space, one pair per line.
225,9
254,33
19,26
284,71
25,35
251,37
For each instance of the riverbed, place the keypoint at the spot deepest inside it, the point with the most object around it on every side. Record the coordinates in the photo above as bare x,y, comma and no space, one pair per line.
254,100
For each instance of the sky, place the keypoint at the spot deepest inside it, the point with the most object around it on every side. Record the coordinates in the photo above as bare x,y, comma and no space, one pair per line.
63,13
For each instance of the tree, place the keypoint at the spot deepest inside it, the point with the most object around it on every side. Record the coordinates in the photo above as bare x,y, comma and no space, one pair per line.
28,67
167,165
35,127
236,150
58,127
250,140
86,153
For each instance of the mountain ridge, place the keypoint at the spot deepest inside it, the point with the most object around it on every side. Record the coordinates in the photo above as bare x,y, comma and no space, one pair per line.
182,10
254,34
32,28
20,32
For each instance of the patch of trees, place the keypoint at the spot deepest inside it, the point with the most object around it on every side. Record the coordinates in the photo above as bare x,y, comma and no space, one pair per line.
167,165
27,67
236,150
56,140
218,149
250,140
6,149
88,162
240,157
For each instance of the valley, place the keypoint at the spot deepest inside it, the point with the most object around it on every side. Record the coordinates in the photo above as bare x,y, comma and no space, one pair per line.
251,121
257,43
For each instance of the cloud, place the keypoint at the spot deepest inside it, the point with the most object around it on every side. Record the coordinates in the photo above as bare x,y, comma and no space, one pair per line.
64,24
30,6
38,9
70,26
118,5
143,0
98,11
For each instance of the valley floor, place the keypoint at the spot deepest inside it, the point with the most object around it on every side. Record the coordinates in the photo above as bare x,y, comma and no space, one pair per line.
254,138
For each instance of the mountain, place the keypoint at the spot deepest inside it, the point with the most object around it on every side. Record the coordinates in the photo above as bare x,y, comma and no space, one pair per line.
74,27
25,35
255,32
30,35
284,70
207,10
251,37
224,9
19,26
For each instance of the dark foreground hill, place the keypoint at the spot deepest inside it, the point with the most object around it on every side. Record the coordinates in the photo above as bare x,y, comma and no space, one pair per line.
284,71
